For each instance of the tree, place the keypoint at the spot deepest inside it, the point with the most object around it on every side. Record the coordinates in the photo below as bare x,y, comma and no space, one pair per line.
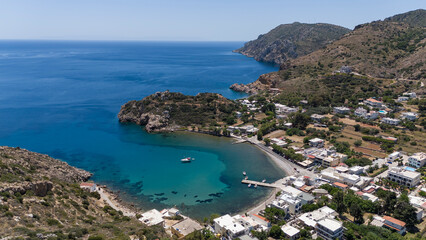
404,211
356,212
358,143
267,141
338,200
259,135
276,232
299,120
357,127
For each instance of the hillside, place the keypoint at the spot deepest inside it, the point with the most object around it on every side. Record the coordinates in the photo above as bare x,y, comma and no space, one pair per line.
288,41
167,111
381,51
40,198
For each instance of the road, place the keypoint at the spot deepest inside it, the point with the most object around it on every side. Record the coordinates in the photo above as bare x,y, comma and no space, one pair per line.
286,165
106,197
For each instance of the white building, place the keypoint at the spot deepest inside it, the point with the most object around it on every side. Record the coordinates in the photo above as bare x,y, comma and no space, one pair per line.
333,175
152,218
228,227
371,102
361,112
278,142
280,108
91,187
311,219
317,117
290,232
316,142
412,116
393,156
417,160
341,110
410,94
402,99
391,121
404,177
330,229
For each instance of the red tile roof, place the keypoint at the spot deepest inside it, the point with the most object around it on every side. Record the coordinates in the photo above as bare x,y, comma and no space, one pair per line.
359,193
394,220
264,219
373,100
340,185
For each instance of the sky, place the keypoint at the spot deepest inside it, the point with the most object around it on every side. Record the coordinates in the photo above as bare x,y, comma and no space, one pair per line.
181,20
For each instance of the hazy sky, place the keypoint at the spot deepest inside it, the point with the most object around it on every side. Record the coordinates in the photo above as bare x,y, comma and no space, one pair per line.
223,20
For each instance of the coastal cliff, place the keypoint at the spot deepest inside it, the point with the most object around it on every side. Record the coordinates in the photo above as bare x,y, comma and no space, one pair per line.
380,51
40,198
169,111
289,41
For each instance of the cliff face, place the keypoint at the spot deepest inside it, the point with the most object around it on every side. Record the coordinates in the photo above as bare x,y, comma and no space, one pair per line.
289,41
167,111
382,50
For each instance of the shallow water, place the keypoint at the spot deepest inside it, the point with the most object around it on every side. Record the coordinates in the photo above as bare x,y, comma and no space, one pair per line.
62,98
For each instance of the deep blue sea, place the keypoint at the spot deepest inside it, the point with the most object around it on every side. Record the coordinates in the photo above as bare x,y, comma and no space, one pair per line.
62,98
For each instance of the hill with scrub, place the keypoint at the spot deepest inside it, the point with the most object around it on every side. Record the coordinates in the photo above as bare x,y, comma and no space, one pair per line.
40,198
168,111
387,54
289,41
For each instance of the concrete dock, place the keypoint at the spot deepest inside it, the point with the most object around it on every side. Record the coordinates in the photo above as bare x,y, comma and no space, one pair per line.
263,184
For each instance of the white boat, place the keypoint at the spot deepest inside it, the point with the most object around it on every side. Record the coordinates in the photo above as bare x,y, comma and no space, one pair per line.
264,180
246,178
186,160
249,185
244,173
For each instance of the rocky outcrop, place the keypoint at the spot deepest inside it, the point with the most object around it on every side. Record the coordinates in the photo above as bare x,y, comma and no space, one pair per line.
263,83
289,41
22,170
39,188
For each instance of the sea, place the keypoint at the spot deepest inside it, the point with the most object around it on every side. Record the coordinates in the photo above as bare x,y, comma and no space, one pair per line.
62,98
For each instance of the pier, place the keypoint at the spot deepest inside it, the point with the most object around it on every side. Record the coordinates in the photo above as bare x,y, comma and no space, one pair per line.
263,184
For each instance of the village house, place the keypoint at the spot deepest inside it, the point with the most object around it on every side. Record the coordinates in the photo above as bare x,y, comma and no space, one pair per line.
391,121
330,229
402,99
412,116
91,187
227,227
280,109
417,160
316,142
395,224
371,102
152,218
410,94
185,227
404,177
317,117
341,110
393,156
310,219
361,112
290,232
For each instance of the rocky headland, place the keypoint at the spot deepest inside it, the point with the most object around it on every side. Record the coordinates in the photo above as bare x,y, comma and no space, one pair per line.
169,111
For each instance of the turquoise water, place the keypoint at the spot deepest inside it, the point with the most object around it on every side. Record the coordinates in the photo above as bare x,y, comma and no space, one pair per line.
62,98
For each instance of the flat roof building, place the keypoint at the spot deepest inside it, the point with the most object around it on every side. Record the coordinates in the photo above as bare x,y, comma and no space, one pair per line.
404,177
330,229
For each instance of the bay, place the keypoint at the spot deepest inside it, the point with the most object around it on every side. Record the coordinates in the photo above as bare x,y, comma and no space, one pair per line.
61,98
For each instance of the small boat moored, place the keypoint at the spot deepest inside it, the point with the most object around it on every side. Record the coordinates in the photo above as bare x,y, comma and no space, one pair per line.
244,173
249,185
186,160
